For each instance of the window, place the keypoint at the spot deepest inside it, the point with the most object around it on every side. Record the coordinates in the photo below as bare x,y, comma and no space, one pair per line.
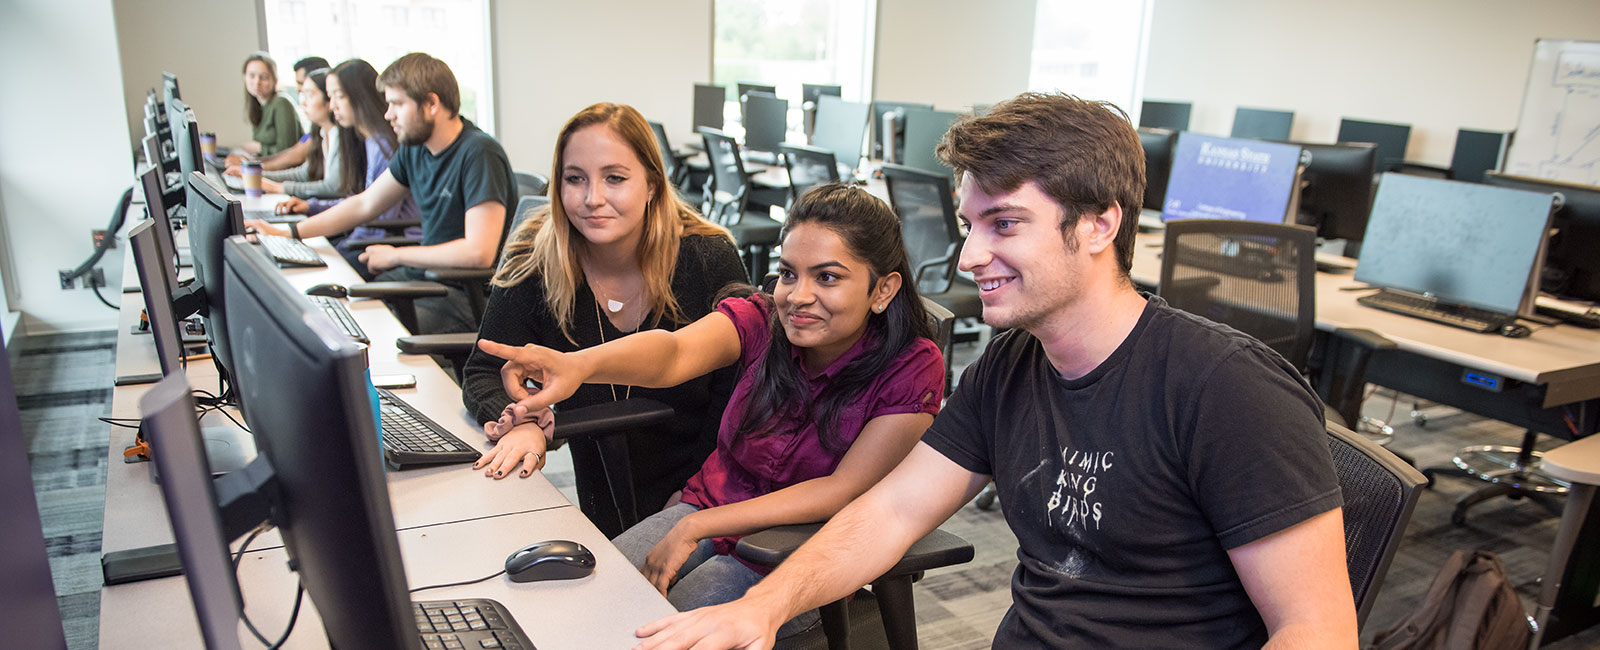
1094,50
786,43
380,31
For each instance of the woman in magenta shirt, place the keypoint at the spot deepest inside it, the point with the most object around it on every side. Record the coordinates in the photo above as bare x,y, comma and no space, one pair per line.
838,380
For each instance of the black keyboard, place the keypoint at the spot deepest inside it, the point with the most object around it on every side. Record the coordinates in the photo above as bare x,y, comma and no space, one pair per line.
290,251
1248,263
336,310
475,624
1585,319
410,439
1431,309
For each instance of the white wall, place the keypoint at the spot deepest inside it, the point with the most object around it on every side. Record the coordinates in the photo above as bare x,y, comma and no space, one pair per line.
64,159
205,43
553,58
1438,65
953,53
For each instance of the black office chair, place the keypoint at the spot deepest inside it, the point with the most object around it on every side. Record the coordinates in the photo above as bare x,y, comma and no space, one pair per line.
1260,278
808,167
1380,492
531,184
675,162
926,206
726,197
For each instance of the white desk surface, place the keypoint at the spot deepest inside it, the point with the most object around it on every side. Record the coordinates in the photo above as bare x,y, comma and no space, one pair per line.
1563,357
600,611
1577,461
135,516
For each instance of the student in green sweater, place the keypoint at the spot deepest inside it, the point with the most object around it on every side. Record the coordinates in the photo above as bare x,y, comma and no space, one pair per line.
273,123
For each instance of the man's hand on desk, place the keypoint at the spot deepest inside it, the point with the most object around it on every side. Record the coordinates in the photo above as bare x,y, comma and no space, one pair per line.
380,258
739,625
265,228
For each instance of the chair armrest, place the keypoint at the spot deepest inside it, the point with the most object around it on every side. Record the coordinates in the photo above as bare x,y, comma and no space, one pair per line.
455,343
387,241
916,273
394,224
611,418
401,290
459,274
772,546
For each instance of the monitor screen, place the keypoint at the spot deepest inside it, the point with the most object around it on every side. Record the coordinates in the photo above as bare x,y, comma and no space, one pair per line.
1157,144
1336,195
708,102
879,109
1572,264
1224,178
185,136
766,121
924,129
1476,153
1262,124
1390,138
812,93
746,88
1165,115
841,128
155,206
1463,243
214,215
157,292
169,86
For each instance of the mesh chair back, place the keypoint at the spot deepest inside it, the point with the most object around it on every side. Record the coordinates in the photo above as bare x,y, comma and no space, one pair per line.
927,211
1259,278
1380,491
675,172
531,184
808,167
725,196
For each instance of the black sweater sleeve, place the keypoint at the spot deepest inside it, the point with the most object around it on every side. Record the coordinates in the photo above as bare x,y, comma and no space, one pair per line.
513,316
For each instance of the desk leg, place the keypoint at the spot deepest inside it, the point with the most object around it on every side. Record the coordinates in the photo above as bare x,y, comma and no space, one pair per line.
1572,517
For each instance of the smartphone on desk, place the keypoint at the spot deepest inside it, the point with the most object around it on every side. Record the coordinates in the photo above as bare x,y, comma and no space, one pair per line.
394,381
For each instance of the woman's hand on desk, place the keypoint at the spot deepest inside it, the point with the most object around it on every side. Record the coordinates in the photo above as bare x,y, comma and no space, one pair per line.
295,205
662,563
233,169
265,228
271,186
522,445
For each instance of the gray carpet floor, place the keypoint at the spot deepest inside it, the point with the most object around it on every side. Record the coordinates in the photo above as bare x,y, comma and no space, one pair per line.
64,384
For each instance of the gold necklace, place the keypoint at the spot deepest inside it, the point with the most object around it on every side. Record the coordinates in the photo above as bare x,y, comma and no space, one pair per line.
601,326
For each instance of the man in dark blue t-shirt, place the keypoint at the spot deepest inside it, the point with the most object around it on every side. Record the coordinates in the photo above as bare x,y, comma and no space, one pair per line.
459,176
1168,478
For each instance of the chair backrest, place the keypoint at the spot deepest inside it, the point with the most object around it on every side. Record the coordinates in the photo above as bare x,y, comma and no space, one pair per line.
1259,278
725,195
926,207
808,167
531,184
1380,491
668,160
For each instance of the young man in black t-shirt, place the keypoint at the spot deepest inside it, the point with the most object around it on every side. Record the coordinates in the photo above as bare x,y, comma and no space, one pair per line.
459,176
1168,478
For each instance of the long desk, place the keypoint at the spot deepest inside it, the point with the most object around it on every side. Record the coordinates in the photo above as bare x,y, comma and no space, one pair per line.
454,523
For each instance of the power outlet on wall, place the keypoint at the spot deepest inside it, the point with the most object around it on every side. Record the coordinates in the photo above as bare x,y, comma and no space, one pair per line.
97,277
66,280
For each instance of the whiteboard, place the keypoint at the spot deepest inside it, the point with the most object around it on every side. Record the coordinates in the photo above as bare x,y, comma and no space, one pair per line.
1558,134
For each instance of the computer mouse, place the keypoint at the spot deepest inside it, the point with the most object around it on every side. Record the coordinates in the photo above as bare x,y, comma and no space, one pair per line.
328,289
1515,330
555,559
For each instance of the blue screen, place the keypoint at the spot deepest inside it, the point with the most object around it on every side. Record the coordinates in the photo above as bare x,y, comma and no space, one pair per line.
1225,178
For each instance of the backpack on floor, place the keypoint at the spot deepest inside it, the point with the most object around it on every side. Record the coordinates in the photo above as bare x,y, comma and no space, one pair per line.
1470,606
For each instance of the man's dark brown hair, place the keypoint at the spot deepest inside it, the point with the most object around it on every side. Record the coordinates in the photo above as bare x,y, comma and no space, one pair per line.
419,75
1084,155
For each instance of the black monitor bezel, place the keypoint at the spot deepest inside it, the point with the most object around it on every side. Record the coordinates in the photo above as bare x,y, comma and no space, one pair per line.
1577,234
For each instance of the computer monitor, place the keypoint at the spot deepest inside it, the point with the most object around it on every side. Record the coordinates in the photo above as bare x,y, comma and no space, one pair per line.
1461,243
155,207
185,136
708,103
745,88
812,93
1390,138
214,216
1226,178
1165,115
1572,263
1476,153
841,128
1336,192
169,86
924,129
1261,124
1157,144
879,109
157,290
184,473
766,121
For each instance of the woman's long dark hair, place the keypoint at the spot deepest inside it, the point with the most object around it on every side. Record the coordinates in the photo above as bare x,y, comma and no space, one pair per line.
872,233
359,81
314,159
